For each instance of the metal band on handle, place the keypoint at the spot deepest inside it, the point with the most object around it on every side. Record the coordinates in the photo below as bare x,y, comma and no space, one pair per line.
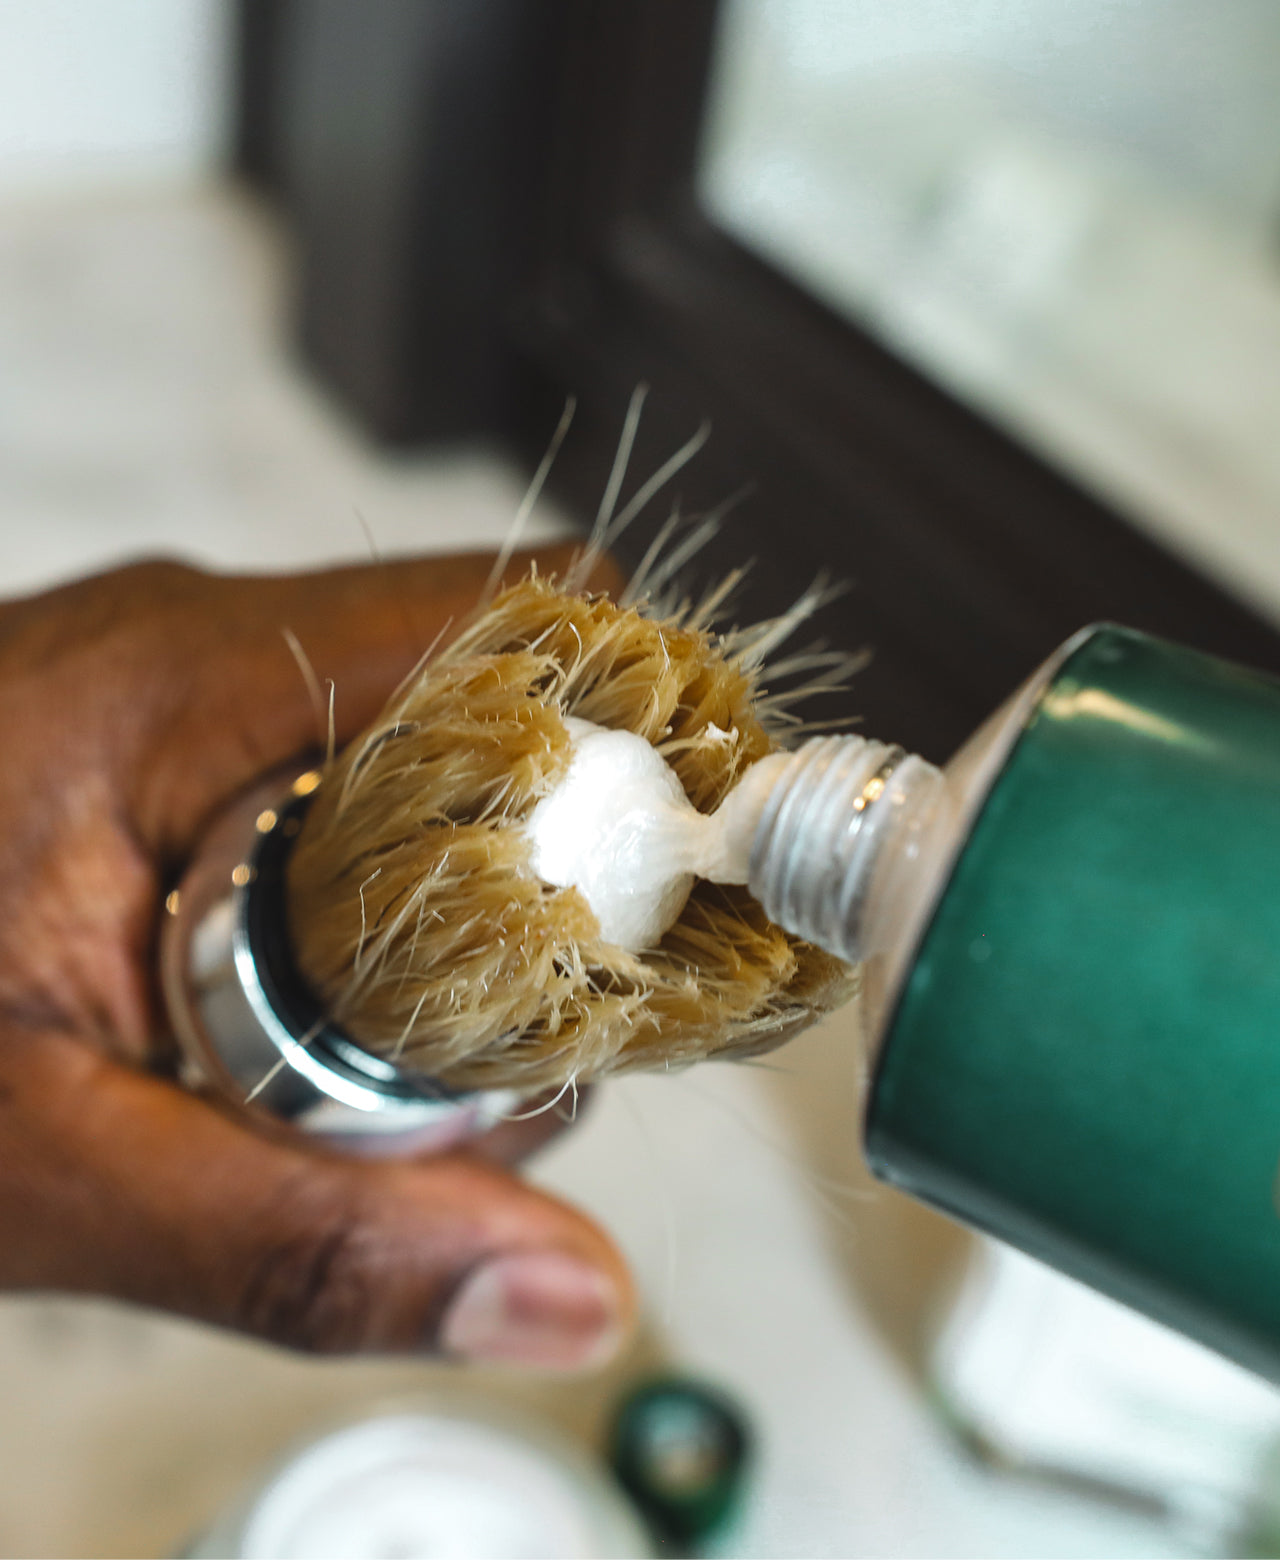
250,1029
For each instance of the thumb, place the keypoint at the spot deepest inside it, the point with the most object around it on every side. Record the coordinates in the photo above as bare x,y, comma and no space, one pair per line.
113,1182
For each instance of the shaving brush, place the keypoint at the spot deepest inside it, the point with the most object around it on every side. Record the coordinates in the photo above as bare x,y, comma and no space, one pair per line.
416,908
529,872
388,947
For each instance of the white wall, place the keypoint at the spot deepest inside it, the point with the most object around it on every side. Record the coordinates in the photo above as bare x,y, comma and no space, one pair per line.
110,92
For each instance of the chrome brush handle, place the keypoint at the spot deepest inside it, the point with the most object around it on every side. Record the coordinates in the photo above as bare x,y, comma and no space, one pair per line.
248,1027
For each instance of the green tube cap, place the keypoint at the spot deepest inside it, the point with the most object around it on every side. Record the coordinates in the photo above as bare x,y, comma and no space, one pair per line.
680,1451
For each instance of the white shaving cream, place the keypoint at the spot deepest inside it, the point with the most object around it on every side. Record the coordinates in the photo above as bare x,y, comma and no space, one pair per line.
619,828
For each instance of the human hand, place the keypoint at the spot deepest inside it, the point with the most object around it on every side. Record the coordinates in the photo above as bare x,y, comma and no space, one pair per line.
134,705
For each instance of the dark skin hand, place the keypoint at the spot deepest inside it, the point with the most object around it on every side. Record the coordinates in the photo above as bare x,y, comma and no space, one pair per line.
134,706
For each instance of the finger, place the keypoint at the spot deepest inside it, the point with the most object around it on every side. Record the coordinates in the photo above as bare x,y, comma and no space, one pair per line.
361,628
113,1182
246,706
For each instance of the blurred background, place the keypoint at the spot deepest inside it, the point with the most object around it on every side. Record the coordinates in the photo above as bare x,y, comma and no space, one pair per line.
982,301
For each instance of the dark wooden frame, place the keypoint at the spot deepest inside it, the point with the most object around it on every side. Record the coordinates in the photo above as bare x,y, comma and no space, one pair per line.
968,557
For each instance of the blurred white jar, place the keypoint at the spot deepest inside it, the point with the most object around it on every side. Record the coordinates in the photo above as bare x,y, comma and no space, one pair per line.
431,1480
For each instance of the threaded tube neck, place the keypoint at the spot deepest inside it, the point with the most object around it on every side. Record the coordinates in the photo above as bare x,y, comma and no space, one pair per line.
837,840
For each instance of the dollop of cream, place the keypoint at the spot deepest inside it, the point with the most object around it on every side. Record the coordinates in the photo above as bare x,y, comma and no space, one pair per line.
620,829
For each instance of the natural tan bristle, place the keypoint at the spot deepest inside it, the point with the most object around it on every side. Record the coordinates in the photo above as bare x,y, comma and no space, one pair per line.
414,912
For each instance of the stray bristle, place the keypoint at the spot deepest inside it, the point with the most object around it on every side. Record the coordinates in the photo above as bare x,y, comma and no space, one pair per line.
415,914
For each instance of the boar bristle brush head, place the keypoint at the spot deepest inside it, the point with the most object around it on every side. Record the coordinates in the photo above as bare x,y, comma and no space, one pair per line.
416,912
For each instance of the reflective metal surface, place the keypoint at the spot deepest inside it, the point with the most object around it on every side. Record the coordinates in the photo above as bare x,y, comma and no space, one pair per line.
250,1030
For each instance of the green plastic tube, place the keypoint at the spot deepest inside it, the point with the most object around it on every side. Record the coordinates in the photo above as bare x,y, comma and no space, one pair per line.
1074,942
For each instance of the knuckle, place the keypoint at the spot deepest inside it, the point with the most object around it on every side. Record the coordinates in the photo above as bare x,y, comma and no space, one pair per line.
311,1287
158,576
144,589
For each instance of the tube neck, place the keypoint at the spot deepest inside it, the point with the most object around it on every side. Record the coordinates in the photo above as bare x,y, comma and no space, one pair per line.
856,841
842,848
